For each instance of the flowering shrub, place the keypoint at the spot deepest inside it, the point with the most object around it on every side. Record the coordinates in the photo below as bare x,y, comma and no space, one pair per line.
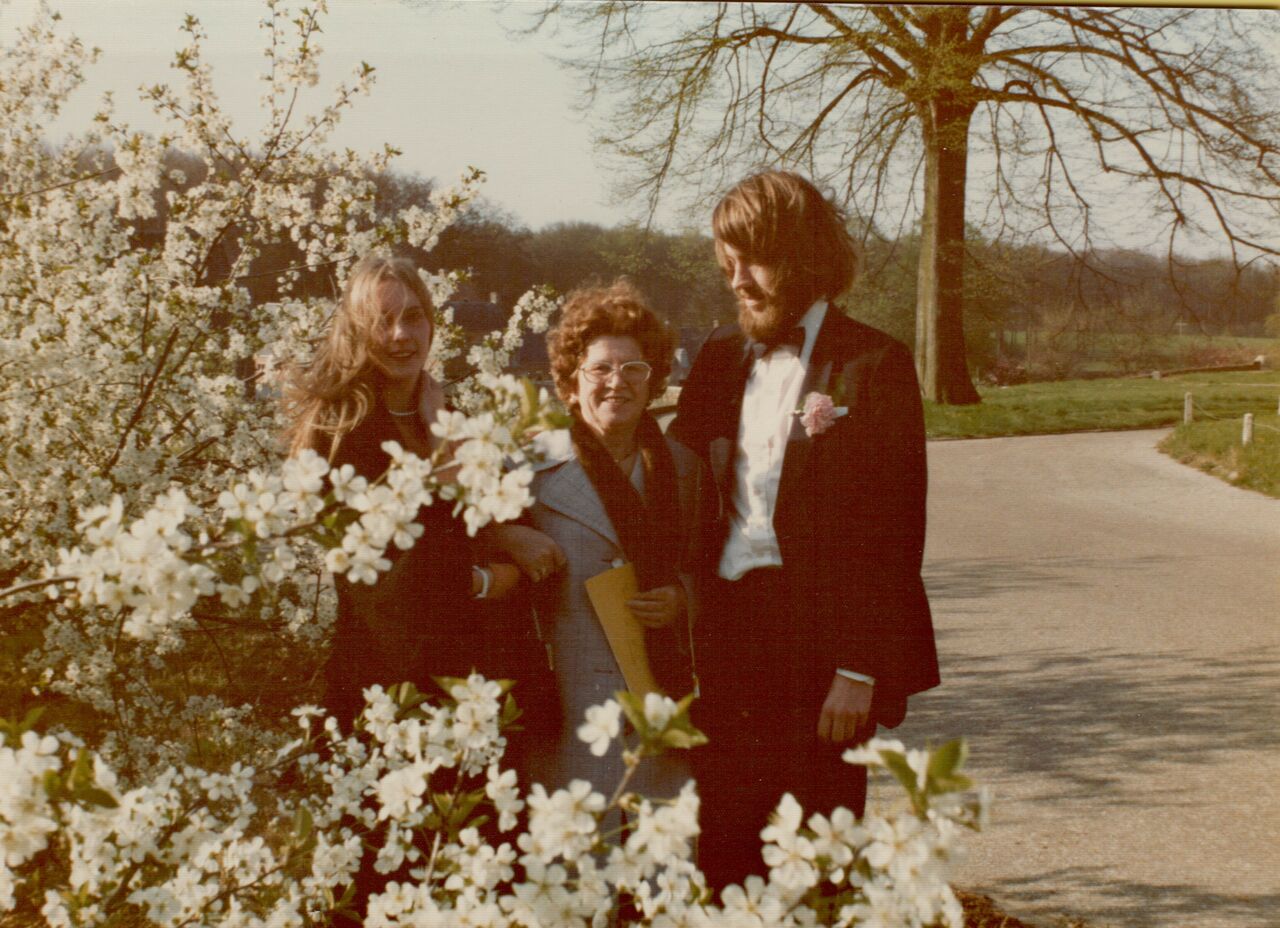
423,779
141,458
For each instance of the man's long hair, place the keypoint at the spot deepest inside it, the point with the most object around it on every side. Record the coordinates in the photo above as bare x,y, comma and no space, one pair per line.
332,393
781,219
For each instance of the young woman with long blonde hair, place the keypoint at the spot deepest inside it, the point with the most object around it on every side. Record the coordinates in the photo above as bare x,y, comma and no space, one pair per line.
365,384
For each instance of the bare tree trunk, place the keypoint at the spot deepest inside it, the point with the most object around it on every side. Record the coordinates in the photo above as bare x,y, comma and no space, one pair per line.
941,361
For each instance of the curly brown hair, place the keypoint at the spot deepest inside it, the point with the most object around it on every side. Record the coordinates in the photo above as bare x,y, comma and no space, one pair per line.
616,309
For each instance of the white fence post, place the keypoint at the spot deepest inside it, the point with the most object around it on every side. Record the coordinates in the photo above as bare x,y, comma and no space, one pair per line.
1186,409
1246,436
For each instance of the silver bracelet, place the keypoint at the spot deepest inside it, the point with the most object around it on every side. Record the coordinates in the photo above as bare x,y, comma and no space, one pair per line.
486,581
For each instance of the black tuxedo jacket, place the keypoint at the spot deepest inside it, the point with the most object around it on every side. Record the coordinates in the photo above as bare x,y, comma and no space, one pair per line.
850,515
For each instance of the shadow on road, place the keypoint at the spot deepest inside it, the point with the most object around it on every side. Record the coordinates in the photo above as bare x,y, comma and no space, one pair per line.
1140,905
1086,715
1084,719
979,578
1087,730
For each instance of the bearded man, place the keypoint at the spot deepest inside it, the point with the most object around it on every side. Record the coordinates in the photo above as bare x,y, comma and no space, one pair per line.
814,625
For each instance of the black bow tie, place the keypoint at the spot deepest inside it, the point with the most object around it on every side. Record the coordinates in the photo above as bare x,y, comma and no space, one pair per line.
793,337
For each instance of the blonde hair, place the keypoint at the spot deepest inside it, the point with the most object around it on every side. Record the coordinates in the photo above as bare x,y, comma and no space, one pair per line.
781,219
335,390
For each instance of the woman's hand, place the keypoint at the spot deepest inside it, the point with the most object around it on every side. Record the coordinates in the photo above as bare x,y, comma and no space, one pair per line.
658,607
534,553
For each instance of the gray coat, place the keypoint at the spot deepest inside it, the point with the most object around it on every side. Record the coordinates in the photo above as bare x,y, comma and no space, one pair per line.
570,511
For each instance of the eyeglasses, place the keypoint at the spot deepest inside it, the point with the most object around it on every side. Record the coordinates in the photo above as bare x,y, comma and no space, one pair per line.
632,372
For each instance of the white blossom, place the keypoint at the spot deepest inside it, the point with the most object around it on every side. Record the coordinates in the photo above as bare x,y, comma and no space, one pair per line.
601,726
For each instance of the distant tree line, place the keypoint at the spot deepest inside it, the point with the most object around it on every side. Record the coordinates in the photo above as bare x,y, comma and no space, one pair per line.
1117,303
1015,295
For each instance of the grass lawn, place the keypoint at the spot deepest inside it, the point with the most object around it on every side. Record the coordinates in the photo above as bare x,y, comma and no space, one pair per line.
1214,447
1110,404
1119,354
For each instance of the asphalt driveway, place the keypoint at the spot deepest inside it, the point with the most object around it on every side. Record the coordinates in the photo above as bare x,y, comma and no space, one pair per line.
1109,625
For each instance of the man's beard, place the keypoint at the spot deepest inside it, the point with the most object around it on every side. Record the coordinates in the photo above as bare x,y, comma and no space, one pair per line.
778,313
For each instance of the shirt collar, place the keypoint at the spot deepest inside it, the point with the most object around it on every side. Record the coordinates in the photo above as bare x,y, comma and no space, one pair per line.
811,321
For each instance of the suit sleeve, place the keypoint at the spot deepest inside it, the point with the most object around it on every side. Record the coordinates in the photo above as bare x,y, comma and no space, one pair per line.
713,378
688,426
896,397
889,634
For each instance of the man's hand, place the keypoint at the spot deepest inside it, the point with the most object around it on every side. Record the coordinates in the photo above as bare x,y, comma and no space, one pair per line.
658,607
846,710
534,553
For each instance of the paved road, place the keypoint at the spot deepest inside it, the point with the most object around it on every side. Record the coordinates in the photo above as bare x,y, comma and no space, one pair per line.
1109,623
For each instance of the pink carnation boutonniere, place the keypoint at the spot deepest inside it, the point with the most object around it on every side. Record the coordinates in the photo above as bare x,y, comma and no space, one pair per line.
819,413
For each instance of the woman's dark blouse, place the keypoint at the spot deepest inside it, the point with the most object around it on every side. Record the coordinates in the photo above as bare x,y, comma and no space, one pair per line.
419,620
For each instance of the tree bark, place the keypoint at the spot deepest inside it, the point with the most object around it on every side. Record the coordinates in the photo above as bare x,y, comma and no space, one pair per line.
941,360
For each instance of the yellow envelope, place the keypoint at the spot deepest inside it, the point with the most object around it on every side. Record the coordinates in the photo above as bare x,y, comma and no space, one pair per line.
609,593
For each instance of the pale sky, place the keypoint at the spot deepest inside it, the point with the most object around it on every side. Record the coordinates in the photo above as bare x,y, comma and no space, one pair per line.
453,88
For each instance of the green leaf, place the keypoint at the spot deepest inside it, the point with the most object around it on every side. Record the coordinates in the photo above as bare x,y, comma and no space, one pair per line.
448,683
681,716
954,783
681,732
682,738
898,766
528,401
510,712
463,808
302,824
97,797
346,903
52,784
29,720
633,709
407,698
80,775
947,759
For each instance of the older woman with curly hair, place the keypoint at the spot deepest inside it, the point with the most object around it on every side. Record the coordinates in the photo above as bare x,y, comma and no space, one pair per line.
614,490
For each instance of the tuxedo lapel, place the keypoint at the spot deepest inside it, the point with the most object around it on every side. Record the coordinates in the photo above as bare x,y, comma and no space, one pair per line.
817,378
568,491
723,439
